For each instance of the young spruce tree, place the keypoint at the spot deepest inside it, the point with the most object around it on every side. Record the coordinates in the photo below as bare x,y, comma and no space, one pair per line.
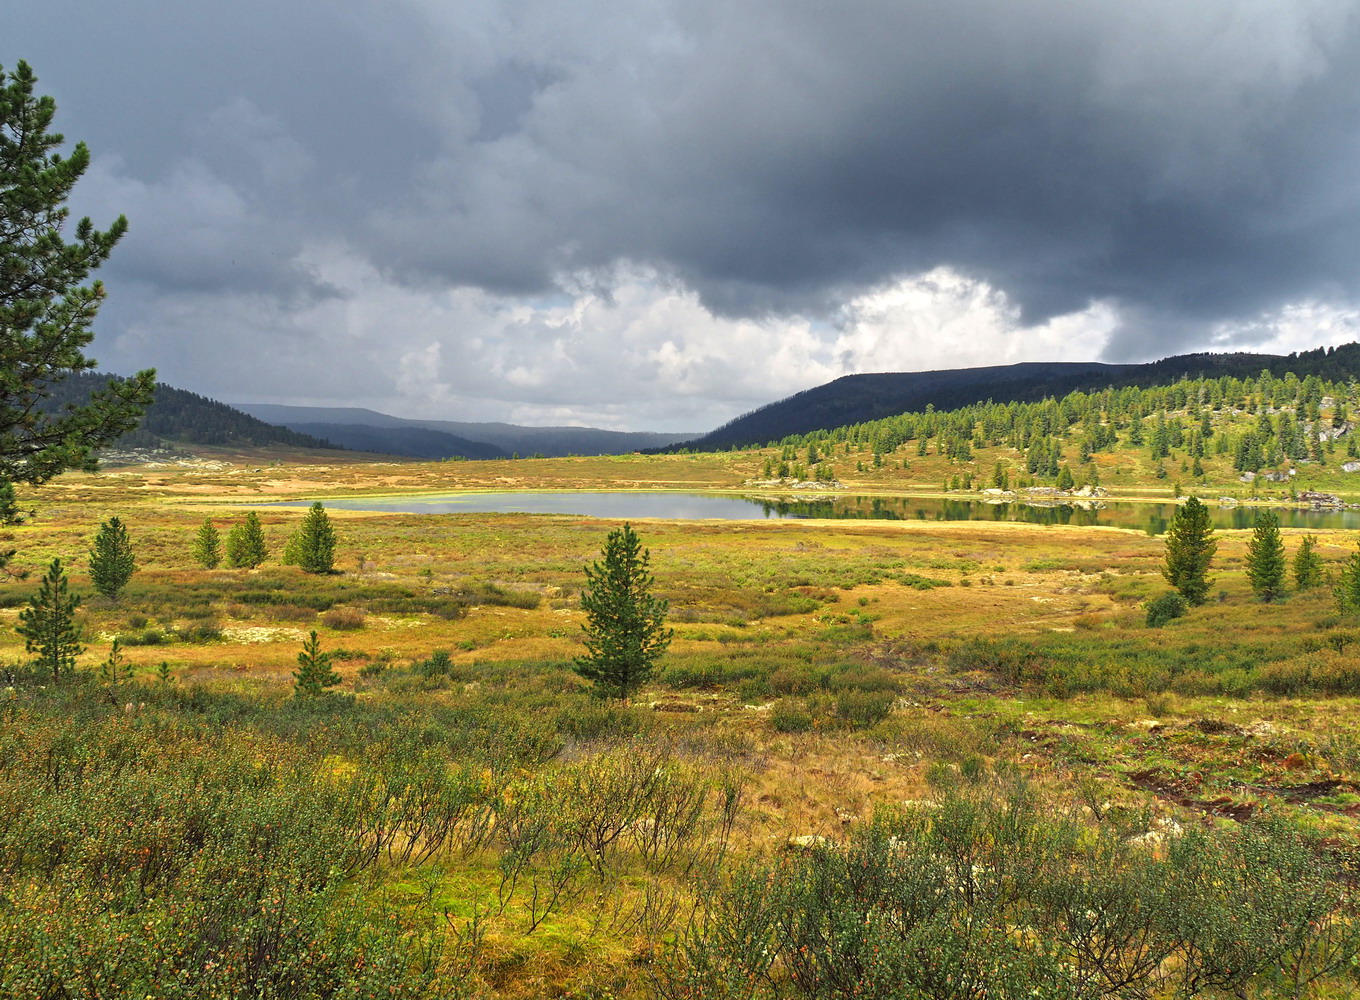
1265,557
207,545
1190,547
1307,565
1348,587
314,673
49,626
10,513
625,630
111,559
312,546
246,547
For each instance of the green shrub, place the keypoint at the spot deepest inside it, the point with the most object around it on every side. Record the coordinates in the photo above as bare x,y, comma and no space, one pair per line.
589,719
790,716
860,677
1165,607
862,709
925,902
344,619
438,665
798,679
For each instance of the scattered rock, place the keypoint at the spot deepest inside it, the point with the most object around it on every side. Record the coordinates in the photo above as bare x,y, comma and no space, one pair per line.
1316,499
806,842
674,706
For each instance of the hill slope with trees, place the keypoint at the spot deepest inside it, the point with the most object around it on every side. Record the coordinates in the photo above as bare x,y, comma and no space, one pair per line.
178,417
1286,432
854,399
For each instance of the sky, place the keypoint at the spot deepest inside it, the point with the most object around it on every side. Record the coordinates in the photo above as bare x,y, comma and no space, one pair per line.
658,214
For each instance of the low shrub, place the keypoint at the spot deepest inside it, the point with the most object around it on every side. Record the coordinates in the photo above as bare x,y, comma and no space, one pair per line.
862,709
290,613
1165,607
989,892
344,619
589,719
789,715
438,665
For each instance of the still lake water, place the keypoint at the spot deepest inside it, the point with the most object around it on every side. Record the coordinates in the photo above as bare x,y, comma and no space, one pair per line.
1152,518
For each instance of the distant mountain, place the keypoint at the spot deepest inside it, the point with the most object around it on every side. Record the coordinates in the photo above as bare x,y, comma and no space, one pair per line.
854,399
413,442
349,424
179,417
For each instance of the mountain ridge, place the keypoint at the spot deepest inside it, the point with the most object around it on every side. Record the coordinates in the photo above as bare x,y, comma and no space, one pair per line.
345,424
859,398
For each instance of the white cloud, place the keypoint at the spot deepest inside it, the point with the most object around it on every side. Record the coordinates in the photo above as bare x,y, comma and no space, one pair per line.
1300,326
942,319
628,349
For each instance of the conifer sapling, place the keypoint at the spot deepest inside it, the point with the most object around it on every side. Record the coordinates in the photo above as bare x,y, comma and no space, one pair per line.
625,630
1265,557
314,673
1307,565
207,545
49,625
1190,548
246,546
111,560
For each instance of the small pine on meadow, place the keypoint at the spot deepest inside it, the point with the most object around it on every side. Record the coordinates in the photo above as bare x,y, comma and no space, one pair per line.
314,673
207,545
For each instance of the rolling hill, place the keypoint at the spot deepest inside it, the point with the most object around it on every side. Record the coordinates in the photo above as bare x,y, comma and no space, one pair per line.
356,427
854,399
179,417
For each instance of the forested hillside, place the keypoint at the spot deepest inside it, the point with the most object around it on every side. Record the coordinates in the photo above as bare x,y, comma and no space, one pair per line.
179,417
1192,431
856,399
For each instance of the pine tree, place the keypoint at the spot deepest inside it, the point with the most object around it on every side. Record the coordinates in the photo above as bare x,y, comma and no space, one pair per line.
10,514
207,545
115,669
246,547
1065,480
111,560
1348,587
49,626
1190,547
1265,557
625,630
312,546
45,311
1307,565
314,673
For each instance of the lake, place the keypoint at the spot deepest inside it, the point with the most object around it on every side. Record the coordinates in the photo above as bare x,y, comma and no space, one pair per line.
1152,518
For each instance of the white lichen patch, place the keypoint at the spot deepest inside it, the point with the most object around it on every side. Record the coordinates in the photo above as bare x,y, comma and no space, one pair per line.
264,633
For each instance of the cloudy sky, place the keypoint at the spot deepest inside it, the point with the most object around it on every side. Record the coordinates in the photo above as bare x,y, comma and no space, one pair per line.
656,214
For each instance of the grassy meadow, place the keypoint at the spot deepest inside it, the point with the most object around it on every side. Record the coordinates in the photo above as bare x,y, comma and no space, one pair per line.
879,759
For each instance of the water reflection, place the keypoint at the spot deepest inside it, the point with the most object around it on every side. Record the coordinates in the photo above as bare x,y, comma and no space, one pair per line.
1151,518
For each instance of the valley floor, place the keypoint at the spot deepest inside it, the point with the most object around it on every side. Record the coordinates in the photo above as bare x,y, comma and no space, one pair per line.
825,678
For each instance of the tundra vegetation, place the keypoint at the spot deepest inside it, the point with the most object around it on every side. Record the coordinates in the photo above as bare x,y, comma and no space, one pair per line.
872,760
902,758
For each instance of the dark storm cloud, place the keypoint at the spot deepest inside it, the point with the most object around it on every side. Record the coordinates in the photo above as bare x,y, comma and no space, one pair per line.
1190,163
